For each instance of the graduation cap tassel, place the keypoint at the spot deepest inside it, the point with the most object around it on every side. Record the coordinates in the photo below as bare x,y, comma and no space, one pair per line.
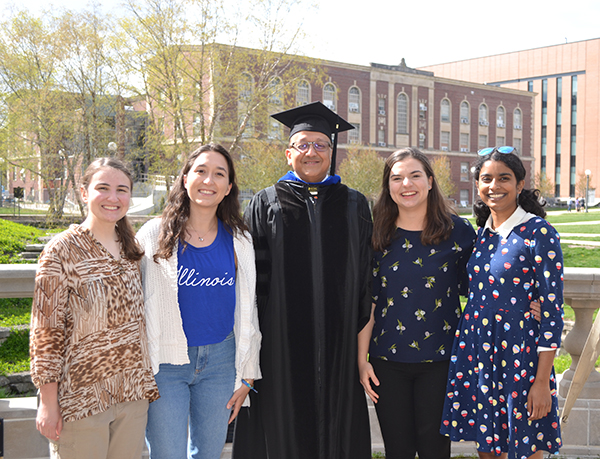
334,151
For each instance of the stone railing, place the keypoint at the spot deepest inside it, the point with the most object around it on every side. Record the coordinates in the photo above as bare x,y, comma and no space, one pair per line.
581,436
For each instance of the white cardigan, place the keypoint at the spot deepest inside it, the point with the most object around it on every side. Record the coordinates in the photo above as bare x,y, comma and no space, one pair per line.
166,339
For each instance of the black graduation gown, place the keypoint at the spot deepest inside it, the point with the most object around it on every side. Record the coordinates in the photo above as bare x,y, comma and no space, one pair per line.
313,289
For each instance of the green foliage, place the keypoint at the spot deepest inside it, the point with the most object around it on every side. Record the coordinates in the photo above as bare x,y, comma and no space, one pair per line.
15,311
13,238
14,353
362,170
260,165
443,175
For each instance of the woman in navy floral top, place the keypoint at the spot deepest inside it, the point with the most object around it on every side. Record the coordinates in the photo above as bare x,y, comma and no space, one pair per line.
422,248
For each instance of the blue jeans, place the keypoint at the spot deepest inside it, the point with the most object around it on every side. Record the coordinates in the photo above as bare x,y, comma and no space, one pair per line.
198,392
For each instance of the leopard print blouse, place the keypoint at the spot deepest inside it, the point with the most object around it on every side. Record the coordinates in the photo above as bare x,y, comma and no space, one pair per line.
88,331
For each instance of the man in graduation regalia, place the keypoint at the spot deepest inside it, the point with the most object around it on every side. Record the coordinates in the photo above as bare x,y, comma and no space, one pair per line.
312,241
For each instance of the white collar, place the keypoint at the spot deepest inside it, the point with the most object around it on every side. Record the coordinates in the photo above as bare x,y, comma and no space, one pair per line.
518,216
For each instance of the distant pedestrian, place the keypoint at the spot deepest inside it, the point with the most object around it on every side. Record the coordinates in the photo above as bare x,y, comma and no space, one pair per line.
577,204
582,204
570,204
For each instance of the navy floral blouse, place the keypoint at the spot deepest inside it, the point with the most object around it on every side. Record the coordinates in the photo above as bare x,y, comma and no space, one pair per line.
416,290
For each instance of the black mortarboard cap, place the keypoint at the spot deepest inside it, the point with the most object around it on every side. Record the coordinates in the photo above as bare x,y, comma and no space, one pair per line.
315,117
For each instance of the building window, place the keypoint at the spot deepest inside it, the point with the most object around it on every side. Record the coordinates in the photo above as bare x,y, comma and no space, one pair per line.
354,100
422,110
483,115
246,87
275,91
381,105
517,143
445,111
197,128
517,116
302,93
274,129
530,86
354,134
464,142
402,114
445,140
381,138
464,172
422,140
464,198
500,141
483,141
464,112
500,118
329,96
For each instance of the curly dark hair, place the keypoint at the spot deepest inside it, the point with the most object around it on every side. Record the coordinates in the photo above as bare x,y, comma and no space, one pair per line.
530,200
177,211
438,225
125,233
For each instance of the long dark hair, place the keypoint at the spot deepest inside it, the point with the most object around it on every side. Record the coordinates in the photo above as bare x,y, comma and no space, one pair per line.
438,220
123,228
177,211
529,200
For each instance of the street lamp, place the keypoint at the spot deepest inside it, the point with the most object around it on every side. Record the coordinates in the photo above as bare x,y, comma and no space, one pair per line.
587,187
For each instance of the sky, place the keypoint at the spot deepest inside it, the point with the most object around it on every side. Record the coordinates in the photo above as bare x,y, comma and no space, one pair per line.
428,32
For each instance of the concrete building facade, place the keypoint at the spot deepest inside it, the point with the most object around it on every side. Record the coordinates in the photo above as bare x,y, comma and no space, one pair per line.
566,82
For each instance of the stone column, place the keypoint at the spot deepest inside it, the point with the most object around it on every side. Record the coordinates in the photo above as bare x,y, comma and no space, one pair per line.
582,293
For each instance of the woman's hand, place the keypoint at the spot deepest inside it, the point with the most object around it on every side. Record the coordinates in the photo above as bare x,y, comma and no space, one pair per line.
536,309
49,420
237,399
539,400
367,374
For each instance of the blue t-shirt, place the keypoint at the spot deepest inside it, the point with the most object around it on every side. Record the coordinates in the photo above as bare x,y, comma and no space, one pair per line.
416,292
206,289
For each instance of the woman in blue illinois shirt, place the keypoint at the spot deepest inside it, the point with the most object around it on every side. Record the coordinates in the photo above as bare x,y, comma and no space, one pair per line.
419,271
199,280
501,389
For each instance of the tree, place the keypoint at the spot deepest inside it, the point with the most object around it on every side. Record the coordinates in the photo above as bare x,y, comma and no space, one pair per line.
261,164
443,175
582,183
544,184
362,170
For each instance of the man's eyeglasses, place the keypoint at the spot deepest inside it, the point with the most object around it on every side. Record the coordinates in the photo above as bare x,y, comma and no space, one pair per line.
305,146
503,150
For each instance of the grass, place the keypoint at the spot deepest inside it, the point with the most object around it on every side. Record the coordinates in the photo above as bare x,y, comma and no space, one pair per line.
13,239
14,353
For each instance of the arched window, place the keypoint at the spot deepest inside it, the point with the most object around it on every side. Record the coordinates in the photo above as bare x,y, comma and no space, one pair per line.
329,98
518,124
464,112
500,117
402,114
483,115
445,111
275,91
303,93
354,100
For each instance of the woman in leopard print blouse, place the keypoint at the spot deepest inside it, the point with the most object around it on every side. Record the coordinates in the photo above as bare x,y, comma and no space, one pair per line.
89,351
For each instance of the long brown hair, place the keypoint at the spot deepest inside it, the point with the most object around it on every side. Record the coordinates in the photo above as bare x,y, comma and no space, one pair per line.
438,221
123,228
177,211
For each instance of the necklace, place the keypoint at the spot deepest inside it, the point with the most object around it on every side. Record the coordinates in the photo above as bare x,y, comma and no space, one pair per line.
201,238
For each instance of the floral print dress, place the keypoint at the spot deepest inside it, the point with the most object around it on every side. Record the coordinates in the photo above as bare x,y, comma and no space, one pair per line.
494,357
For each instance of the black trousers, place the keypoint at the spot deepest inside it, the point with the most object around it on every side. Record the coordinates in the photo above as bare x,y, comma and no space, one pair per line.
411,400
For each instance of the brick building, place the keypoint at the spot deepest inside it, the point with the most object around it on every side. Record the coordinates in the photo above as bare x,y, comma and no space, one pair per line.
566,82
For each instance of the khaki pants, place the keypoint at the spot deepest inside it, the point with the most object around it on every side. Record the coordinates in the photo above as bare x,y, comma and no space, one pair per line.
117,433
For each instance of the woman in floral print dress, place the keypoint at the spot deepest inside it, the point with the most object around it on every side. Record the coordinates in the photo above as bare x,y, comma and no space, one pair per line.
501,389
419,270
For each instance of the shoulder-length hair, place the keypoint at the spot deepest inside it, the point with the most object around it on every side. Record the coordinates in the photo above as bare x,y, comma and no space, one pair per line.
177,211
529,200
125,233
438,220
